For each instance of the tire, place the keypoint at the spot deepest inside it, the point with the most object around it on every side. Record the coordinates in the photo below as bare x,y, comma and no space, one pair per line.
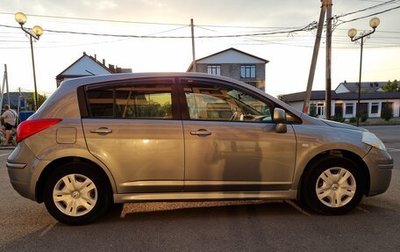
333,186
76,194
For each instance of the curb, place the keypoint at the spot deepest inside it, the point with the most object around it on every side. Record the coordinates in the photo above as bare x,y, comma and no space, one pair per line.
7,147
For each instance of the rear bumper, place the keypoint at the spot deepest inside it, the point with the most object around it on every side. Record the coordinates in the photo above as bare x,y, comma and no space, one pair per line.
380,165
22,171
20,179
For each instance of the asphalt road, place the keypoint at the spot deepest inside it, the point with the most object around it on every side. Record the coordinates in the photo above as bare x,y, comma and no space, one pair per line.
215,226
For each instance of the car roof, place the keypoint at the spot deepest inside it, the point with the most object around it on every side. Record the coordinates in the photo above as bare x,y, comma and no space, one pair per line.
127,76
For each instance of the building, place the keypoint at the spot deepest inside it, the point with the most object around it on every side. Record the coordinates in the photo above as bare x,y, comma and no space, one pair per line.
18,100
235,64
87,65
366,87
345,98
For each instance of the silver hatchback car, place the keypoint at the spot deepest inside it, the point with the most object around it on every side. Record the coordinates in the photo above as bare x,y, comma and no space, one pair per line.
106,140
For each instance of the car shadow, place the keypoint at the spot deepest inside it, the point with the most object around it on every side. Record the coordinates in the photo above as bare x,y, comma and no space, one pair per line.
192,226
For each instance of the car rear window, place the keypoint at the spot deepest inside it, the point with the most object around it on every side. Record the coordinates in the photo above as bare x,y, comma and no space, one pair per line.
146,101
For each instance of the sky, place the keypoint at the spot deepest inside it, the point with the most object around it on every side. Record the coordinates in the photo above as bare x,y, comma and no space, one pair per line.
154,36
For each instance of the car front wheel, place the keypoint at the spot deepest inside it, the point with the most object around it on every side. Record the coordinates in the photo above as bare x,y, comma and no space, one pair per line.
333,186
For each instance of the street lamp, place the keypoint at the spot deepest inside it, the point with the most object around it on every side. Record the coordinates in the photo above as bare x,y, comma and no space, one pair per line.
35,33
352,33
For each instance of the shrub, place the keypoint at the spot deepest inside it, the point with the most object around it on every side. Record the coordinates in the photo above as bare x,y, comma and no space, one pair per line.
363,117
353,120
387,113
338,117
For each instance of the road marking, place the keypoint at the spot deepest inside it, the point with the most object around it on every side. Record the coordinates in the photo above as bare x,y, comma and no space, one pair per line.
5,154
50,226
393,150
297,207
363,210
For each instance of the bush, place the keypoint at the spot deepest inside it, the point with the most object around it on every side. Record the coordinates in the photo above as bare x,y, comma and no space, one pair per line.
338,117
313,111
363,117
353,120
387,113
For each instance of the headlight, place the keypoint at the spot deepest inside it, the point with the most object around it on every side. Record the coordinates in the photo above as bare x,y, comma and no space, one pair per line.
370,139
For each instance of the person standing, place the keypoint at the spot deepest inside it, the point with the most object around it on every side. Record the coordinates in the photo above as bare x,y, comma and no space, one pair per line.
10,120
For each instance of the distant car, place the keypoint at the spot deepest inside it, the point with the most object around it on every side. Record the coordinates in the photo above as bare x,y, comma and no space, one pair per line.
187,136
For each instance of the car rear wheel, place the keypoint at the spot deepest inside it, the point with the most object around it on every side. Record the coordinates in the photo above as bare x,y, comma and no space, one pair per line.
76,194
333,186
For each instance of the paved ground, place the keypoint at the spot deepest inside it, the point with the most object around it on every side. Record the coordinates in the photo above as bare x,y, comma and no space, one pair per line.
227,226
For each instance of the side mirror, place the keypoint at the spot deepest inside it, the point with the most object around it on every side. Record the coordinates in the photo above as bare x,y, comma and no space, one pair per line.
280,120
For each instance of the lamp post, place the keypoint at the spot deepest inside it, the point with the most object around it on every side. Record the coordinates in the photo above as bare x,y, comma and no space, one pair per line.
374,22
33,33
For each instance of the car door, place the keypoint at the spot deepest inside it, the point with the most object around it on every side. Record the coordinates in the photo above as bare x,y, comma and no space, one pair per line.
231,142
135,130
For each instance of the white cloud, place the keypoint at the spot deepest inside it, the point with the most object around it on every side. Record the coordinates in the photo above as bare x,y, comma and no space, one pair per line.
106,5
153,3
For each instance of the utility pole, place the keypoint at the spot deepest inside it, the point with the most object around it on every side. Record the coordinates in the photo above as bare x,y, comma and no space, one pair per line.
328,83
5,86
193,48
315,56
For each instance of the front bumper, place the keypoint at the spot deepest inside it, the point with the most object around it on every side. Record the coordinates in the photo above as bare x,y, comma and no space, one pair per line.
380,165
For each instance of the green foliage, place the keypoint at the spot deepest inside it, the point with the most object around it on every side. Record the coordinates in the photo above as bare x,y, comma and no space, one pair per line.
353,120
338,117
387,112
363,117
313,110
391,86
282,98
30,103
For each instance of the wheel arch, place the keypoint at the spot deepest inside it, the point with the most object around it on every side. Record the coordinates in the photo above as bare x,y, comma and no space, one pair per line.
336,153
53,165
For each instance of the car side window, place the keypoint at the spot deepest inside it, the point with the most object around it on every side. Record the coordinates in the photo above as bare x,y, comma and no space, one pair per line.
138,101
223,103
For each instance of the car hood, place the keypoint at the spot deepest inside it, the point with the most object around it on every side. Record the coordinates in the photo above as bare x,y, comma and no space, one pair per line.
342,125
323,122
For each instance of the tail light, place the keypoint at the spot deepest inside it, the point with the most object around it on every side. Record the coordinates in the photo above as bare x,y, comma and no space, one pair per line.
30,127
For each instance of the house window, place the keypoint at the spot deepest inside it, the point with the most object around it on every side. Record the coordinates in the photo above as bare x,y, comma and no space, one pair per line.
374,108
248,72
349,108
317,109
214,69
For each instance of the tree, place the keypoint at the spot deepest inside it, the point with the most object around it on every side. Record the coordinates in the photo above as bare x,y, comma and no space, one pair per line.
30,101
282,98
391,86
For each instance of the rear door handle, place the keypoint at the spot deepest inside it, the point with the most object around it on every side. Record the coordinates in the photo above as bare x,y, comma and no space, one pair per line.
101,131
200,132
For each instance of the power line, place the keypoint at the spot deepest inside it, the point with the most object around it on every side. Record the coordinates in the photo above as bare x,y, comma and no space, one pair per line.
368,8
151,23
370,15
308,27
273,33
95,19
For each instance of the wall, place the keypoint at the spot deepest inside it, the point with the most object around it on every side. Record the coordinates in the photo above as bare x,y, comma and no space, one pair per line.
396,107
233,71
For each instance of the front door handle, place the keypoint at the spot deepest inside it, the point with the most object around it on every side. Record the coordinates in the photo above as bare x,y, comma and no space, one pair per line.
200,132
101,131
